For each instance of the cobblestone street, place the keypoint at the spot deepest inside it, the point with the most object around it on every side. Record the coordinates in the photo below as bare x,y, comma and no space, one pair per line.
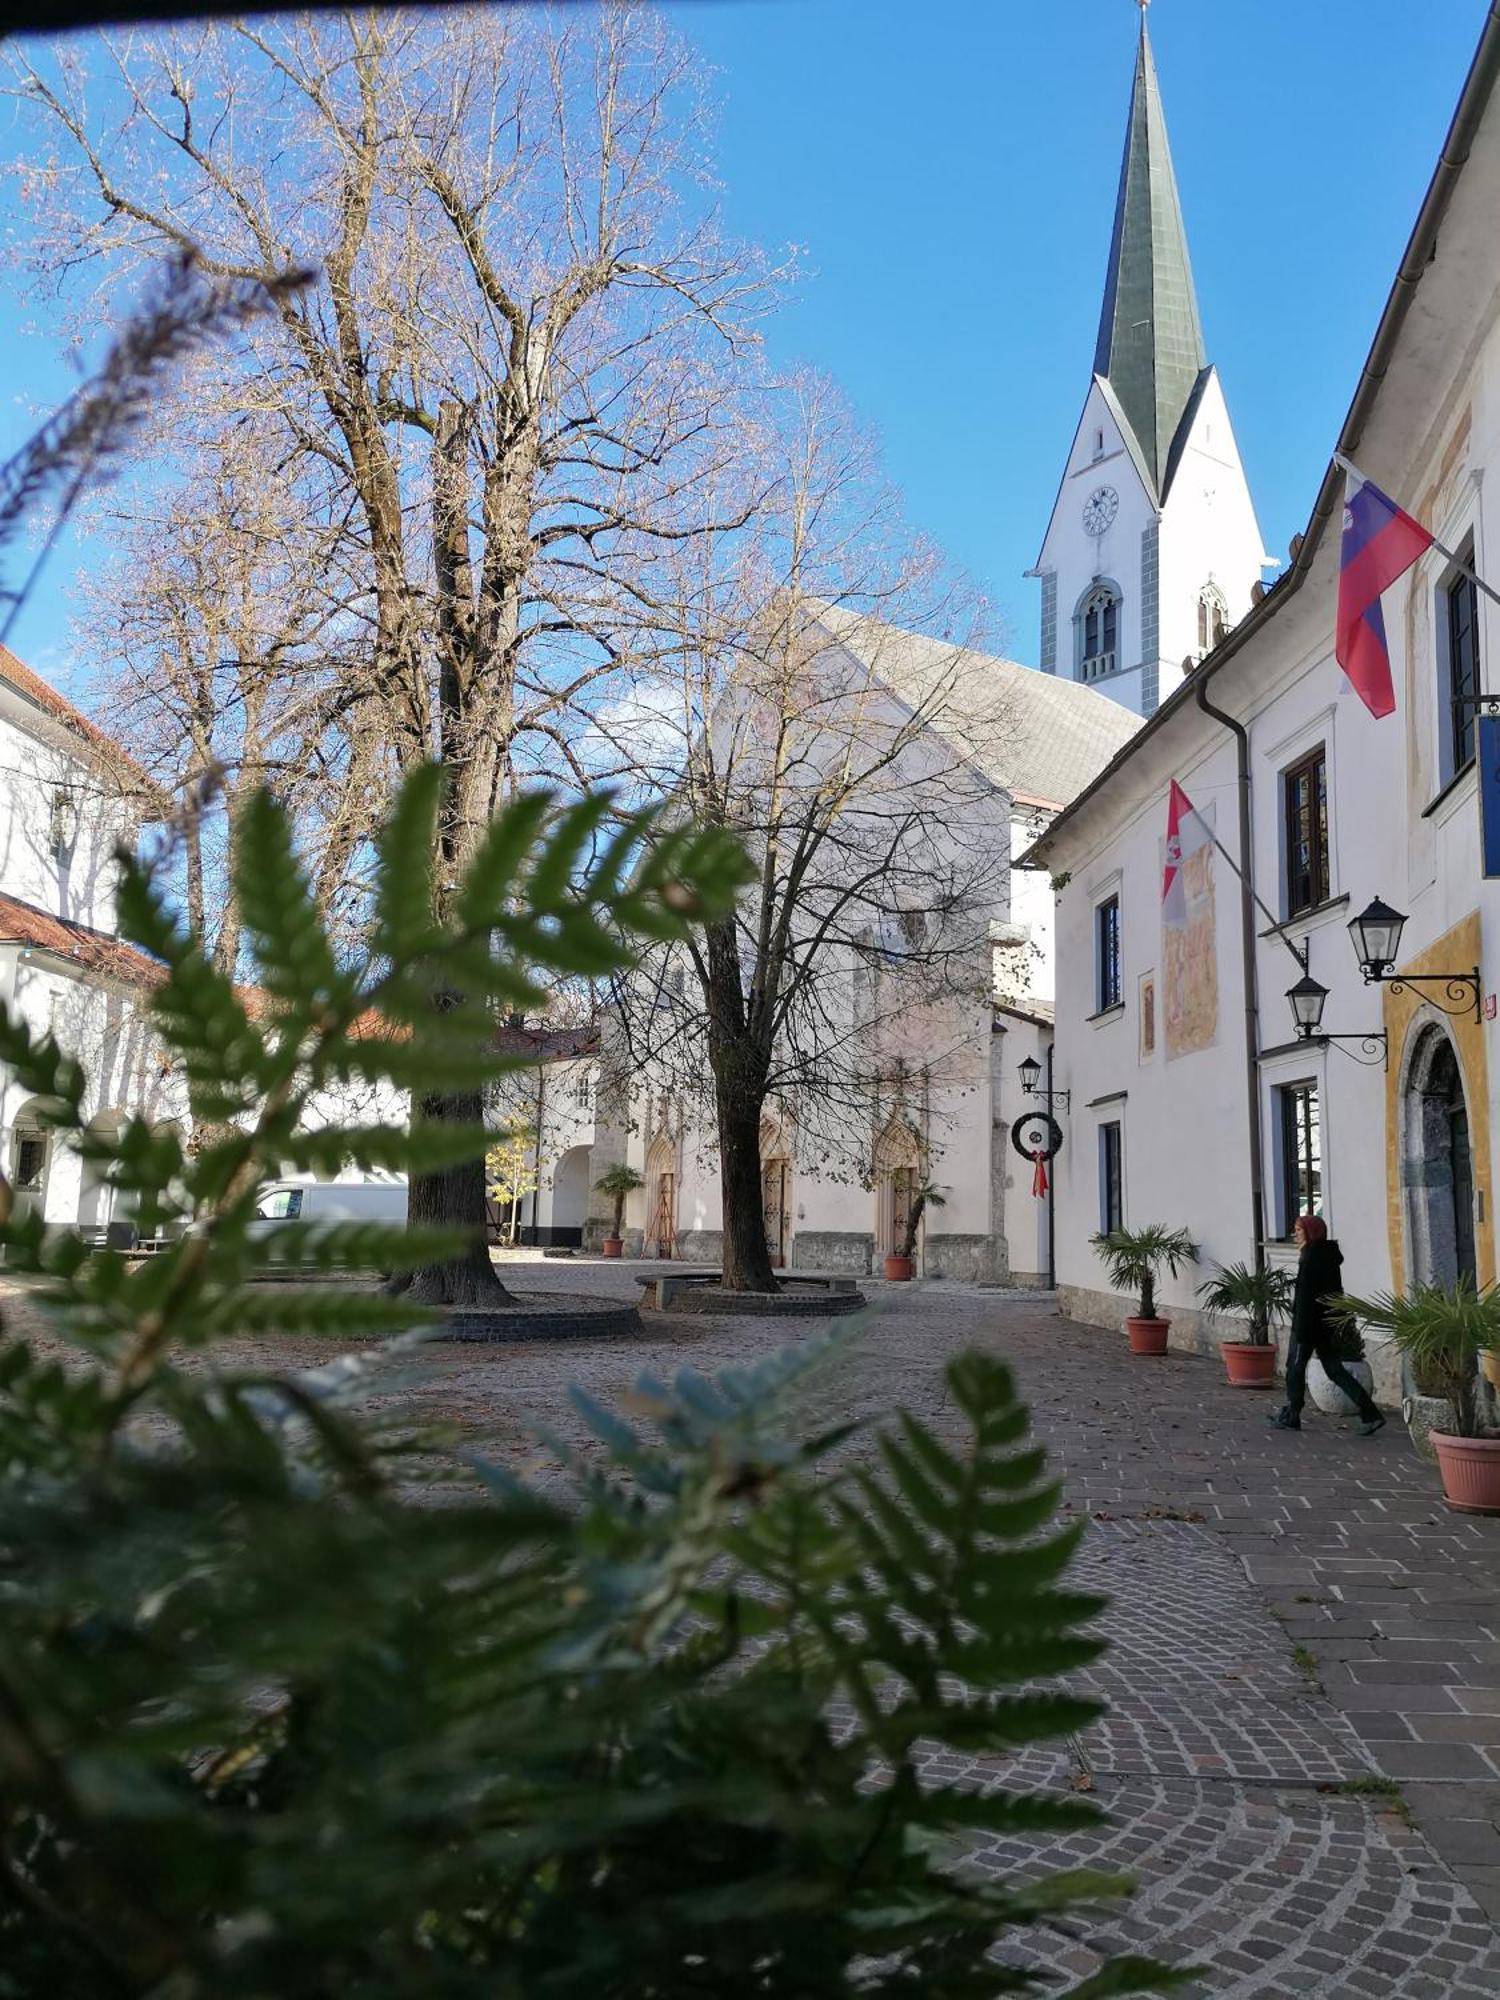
1299,1628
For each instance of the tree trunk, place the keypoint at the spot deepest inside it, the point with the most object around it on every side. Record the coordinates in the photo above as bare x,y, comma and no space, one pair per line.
454,1199
747,1256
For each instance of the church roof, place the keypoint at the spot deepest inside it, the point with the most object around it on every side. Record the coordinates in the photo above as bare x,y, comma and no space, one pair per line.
1150,348
1040,738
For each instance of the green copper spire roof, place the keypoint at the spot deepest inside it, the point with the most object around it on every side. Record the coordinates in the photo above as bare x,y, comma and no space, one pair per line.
1150,342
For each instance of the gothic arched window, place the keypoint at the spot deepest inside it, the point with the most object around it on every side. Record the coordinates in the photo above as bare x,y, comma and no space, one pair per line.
1097,621
1213,617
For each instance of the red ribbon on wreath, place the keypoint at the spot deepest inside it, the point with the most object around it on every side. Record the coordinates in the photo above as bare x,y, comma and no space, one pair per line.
1039,1176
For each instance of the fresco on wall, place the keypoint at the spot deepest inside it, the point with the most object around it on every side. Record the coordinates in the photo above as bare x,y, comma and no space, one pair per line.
1190,962
1147,1015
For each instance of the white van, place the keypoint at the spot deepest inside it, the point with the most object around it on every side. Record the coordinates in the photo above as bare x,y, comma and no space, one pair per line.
318,1202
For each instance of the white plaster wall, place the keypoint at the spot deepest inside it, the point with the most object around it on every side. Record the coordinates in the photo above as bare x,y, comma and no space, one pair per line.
1209,534
75,880
1078,558
1185,1122
1025,1214
1030,970
124,1063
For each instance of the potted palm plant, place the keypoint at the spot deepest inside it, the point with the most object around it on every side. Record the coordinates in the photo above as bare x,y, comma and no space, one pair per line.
1444,1331
1133,1258
1261,1297
619,1181
902,1261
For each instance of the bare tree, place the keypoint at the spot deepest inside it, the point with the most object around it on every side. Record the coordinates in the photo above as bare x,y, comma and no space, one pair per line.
805,710
222,638
516,361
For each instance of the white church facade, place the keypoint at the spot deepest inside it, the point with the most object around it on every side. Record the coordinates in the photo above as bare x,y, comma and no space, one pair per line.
941,1091
1196,1102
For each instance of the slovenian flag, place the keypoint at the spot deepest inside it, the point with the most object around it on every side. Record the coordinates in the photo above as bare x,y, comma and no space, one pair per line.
1187,832
1381,542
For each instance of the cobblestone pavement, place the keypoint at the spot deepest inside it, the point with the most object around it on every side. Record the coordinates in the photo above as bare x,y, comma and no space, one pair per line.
1272,1595
1298,1627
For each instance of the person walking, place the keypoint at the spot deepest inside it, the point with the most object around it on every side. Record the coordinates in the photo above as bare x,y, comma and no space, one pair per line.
1319,1280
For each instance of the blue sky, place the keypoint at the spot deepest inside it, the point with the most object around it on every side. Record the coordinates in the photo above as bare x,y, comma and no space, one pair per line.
949,169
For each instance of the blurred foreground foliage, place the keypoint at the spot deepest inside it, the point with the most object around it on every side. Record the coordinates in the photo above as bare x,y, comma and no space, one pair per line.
268,1728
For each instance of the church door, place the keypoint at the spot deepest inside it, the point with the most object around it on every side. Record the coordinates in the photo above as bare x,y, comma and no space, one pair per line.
662,1234
775,1191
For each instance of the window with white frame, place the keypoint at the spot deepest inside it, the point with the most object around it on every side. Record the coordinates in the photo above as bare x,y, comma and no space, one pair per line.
1108,982
1300,1153
1304,804
1458,663
1111,1176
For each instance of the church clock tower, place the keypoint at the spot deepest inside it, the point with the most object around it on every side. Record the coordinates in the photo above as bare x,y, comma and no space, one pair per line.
1153,547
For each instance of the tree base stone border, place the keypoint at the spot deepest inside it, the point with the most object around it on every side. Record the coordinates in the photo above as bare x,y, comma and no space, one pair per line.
543,1316
792,1303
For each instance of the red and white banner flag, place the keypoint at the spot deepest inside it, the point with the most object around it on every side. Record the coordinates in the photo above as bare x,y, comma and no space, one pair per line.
1187,833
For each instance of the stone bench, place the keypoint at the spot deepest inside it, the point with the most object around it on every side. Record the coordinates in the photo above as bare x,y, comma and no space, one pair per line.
658,1293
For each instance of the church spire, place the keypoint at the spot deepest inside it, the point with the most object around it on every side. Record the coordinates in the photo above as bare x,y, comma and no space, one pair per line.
1150,341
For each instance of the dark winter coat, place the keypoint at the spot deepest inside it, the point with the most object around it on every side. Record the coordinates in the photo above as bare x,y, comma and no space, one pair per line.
1319,1279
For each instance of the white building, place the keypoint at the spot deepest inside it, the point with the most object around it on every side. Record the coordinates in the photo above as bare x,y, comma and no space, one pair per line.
1194,1102
1152,549
943,1091
68,795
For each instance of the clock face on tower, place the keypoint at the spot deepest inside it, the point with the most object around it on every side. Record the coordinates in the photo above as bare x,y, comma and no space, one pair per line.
1100,509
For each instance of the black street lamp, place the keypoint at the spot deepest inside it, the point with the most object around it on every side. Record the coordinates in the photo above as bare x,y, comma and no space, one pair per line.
1376,936
1030,1072
1307,999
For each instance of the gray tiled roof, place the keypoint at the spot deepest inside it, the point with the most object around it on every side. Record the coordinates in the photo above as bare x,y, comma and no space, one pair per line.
1150,347
1036,736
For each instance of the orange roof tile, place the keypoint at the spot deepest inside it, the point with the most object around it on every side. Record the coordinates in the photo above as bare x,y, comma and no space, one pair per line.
96,951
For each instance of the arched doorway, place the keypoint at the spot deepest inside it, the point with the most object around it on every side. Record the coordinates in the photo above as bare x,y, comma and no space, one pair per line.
570,1197
1437,1166
661,1199
898,1163
776,1191
103,1211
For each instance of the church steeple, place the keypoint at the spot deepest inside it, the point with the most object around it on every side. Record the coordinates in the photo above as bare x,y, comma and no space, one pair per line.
1150,348
1152,549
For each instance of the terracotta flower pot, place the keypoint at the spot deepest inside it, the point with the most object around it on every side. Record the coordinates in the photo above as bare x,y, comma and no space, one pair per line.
1147,1336
1248,1365
899,1267
1470,1469
613,1246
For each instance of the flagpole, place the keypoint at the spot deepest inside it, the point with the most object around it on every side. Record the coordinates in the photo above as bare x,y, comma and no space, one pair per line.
1463,568
1275,922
